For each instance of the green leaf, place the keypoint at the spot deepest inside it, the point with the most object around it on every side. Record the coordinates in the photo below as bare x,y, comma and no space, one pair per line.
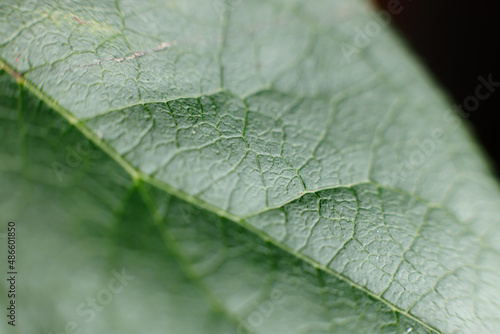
225,167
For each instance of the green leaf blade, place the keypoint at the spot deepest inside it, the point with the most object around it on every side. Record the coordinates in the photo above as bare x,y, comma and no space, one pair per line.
255,115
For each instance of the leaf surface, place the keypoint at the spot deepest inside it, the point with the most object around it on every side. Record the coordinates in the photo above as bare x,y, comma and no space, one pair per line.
229,153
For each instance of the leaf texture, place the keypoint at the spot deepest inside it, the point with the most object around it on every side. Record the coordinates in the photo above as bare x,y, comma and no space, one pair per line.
250,176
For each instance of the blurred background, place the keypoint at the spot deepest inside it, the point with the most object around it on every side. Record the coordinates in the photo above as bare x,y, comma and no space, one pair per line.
459,41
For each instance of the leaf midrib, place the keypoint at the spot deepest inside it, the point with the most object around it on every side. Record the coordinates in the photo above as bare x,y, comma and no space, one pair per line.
138,177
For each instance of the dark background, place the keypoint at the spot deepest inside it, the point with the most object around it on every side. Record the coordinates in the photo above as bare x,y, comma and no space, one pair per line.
458,41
